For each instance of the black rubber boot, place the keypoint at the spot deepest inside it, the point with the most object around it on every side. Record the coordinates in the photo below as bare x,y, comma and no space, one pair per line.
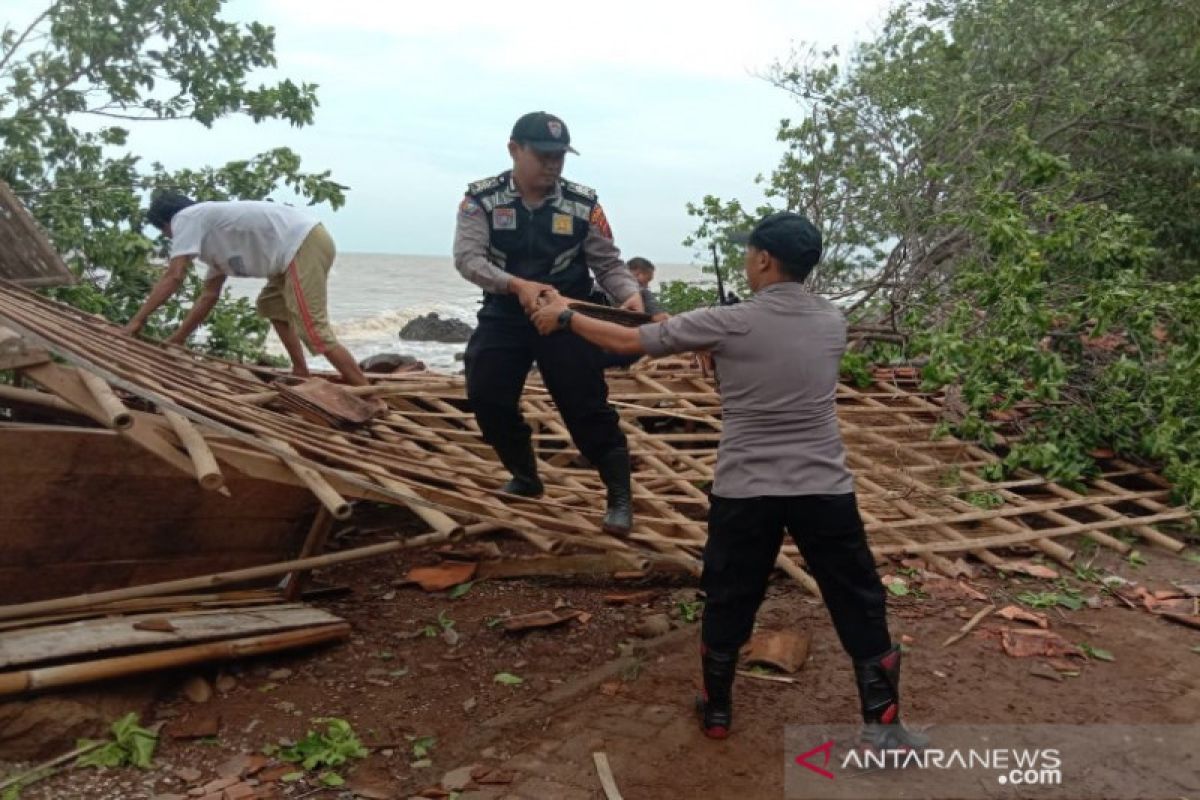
715,706
614,470
878,682
522,463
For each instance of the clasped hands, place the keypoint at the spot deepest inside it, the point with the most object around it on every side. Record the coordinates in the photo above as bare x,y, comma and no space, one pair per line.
543,303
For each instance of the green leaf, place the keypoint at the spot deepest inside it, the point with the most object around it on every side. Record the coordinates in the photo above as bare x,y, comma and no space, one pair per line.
292,777
508,679
331,748
1069,601
332,779
461,590
422,745
1096,653
132,745
898,588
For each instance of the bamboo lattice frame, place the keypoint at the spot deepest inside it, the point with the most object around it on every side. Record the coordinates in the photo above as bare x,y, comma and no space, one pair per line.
915,492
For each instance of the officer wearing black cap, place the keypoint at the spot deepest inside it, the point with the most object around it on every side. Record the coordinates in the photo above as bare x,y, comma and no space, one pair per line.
780,466
524,235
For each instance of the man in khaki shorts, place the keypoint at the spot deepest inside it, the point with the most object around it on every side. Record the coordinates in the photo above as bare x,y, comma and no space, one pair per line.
249,238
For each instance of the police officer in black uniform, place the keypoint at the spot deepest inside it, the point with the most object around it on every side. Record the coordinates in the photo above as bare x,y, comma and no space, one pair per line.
522,236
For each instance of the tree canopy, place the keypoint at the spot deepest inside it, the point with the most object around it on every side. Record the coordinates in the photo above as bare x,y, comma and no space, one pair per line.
78,75
1013,187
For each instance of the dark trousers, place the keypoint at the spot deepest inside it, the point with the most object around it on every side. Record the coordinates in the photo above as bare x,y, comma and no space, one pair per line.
744,537
498,359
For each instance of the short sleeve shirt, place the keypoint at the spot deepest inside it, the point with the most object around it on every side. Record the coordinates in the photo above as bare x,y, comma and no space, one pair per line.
650,302
778,356
242,238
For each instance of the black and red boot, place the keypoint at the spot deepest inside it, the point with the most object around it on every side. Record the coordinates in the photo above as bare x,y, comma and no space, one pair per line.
878,682
715,705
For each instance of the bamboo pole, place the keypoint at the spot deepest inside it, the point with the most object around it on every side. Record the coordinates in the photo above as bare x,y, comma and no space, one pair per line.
31,680
208,473
1025,537
117,416
965,629
31,397
316,483
219,579
1099,508
314,543
38,772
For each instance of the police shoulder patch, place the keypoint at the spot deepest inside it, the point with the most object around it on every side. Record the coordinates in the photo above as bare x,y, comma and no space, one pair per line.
600,222
468,207
483,185
579,189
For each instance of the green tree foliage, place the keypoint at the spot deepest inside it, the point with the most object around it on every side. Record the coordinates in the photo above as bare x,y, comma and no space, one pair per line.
77,76
1014,187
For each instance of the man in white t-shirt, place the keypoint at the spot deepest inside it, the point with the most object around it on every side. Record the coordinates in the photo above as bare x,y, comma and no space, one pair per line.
249,238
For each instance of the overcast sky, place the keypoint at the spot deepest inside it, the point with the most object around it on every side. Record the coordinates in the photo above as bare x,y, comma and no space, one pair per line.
417,99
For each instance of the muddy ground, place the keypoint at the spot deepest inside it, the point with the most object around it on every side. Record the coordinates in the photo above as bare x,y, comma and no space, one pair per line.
426,703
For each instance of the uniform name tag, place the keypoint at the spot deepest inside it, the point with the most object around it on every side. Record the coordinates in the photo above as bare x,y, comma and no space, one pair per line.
563,224
504,219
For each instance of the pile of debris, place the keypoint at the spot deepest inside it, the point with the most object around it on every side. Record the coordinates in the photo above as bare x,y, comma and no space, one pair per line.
145,476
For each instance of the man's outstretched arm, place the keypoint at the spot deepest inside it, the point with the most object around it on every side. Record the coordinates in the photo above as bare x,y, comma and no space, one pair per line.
605,335
209,295
167,285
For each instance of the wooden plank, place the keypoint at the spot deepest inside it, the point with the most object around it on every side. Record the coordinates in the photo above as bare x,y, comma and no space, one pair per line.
73,639
32,680
129,516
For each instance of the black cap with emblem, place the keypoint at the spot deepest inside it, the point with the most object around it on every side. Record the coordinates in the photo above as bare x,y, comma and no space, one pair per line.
789,237
544,132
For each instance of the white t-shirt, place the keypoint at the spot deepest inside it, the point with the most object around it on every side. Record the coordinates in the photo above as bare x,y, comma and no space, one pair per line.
242,238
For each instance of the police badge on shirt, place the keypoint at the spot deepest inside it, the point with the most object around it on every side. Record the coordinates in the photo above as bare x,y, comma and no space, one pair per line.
504,219
563,224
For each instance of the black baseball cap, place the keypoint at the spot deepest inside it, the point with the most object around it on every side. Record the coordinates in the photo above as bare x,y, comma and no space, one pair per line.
165,204
788,236
544,132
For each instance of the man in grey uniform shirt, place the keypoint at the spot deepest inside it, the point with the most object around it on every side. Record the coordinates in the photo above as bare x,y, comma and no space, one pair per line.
780,466
522,233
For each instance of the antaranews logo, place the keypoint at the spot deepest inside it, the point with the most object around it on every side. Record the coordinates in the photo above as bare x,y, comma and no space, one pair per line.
825,750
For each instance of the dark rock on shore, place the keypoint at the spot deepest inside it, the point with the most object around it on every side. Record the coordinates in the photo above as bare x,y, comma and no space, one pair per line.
387,363
431,328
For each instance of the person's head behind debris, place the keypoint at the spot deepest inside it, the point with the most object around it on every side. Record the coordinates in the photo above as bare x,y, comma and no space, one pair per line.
164,205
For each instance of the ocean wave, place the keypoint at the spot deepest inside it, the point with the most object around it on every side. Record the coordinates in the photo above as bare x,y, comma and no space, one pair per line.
388,323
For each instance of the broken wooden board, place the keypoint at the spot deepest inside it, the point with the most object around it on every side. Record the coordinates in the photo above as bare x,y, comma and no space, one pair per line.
130,519
86,638
325,403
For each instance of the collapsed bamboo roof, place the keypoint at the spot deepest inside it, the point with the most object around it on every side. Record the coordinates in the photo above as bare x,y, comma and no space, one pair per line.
919,494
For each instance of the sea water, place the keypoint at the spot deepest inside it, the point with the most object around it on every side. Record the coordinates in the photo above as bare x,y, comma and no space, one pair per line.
372,296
